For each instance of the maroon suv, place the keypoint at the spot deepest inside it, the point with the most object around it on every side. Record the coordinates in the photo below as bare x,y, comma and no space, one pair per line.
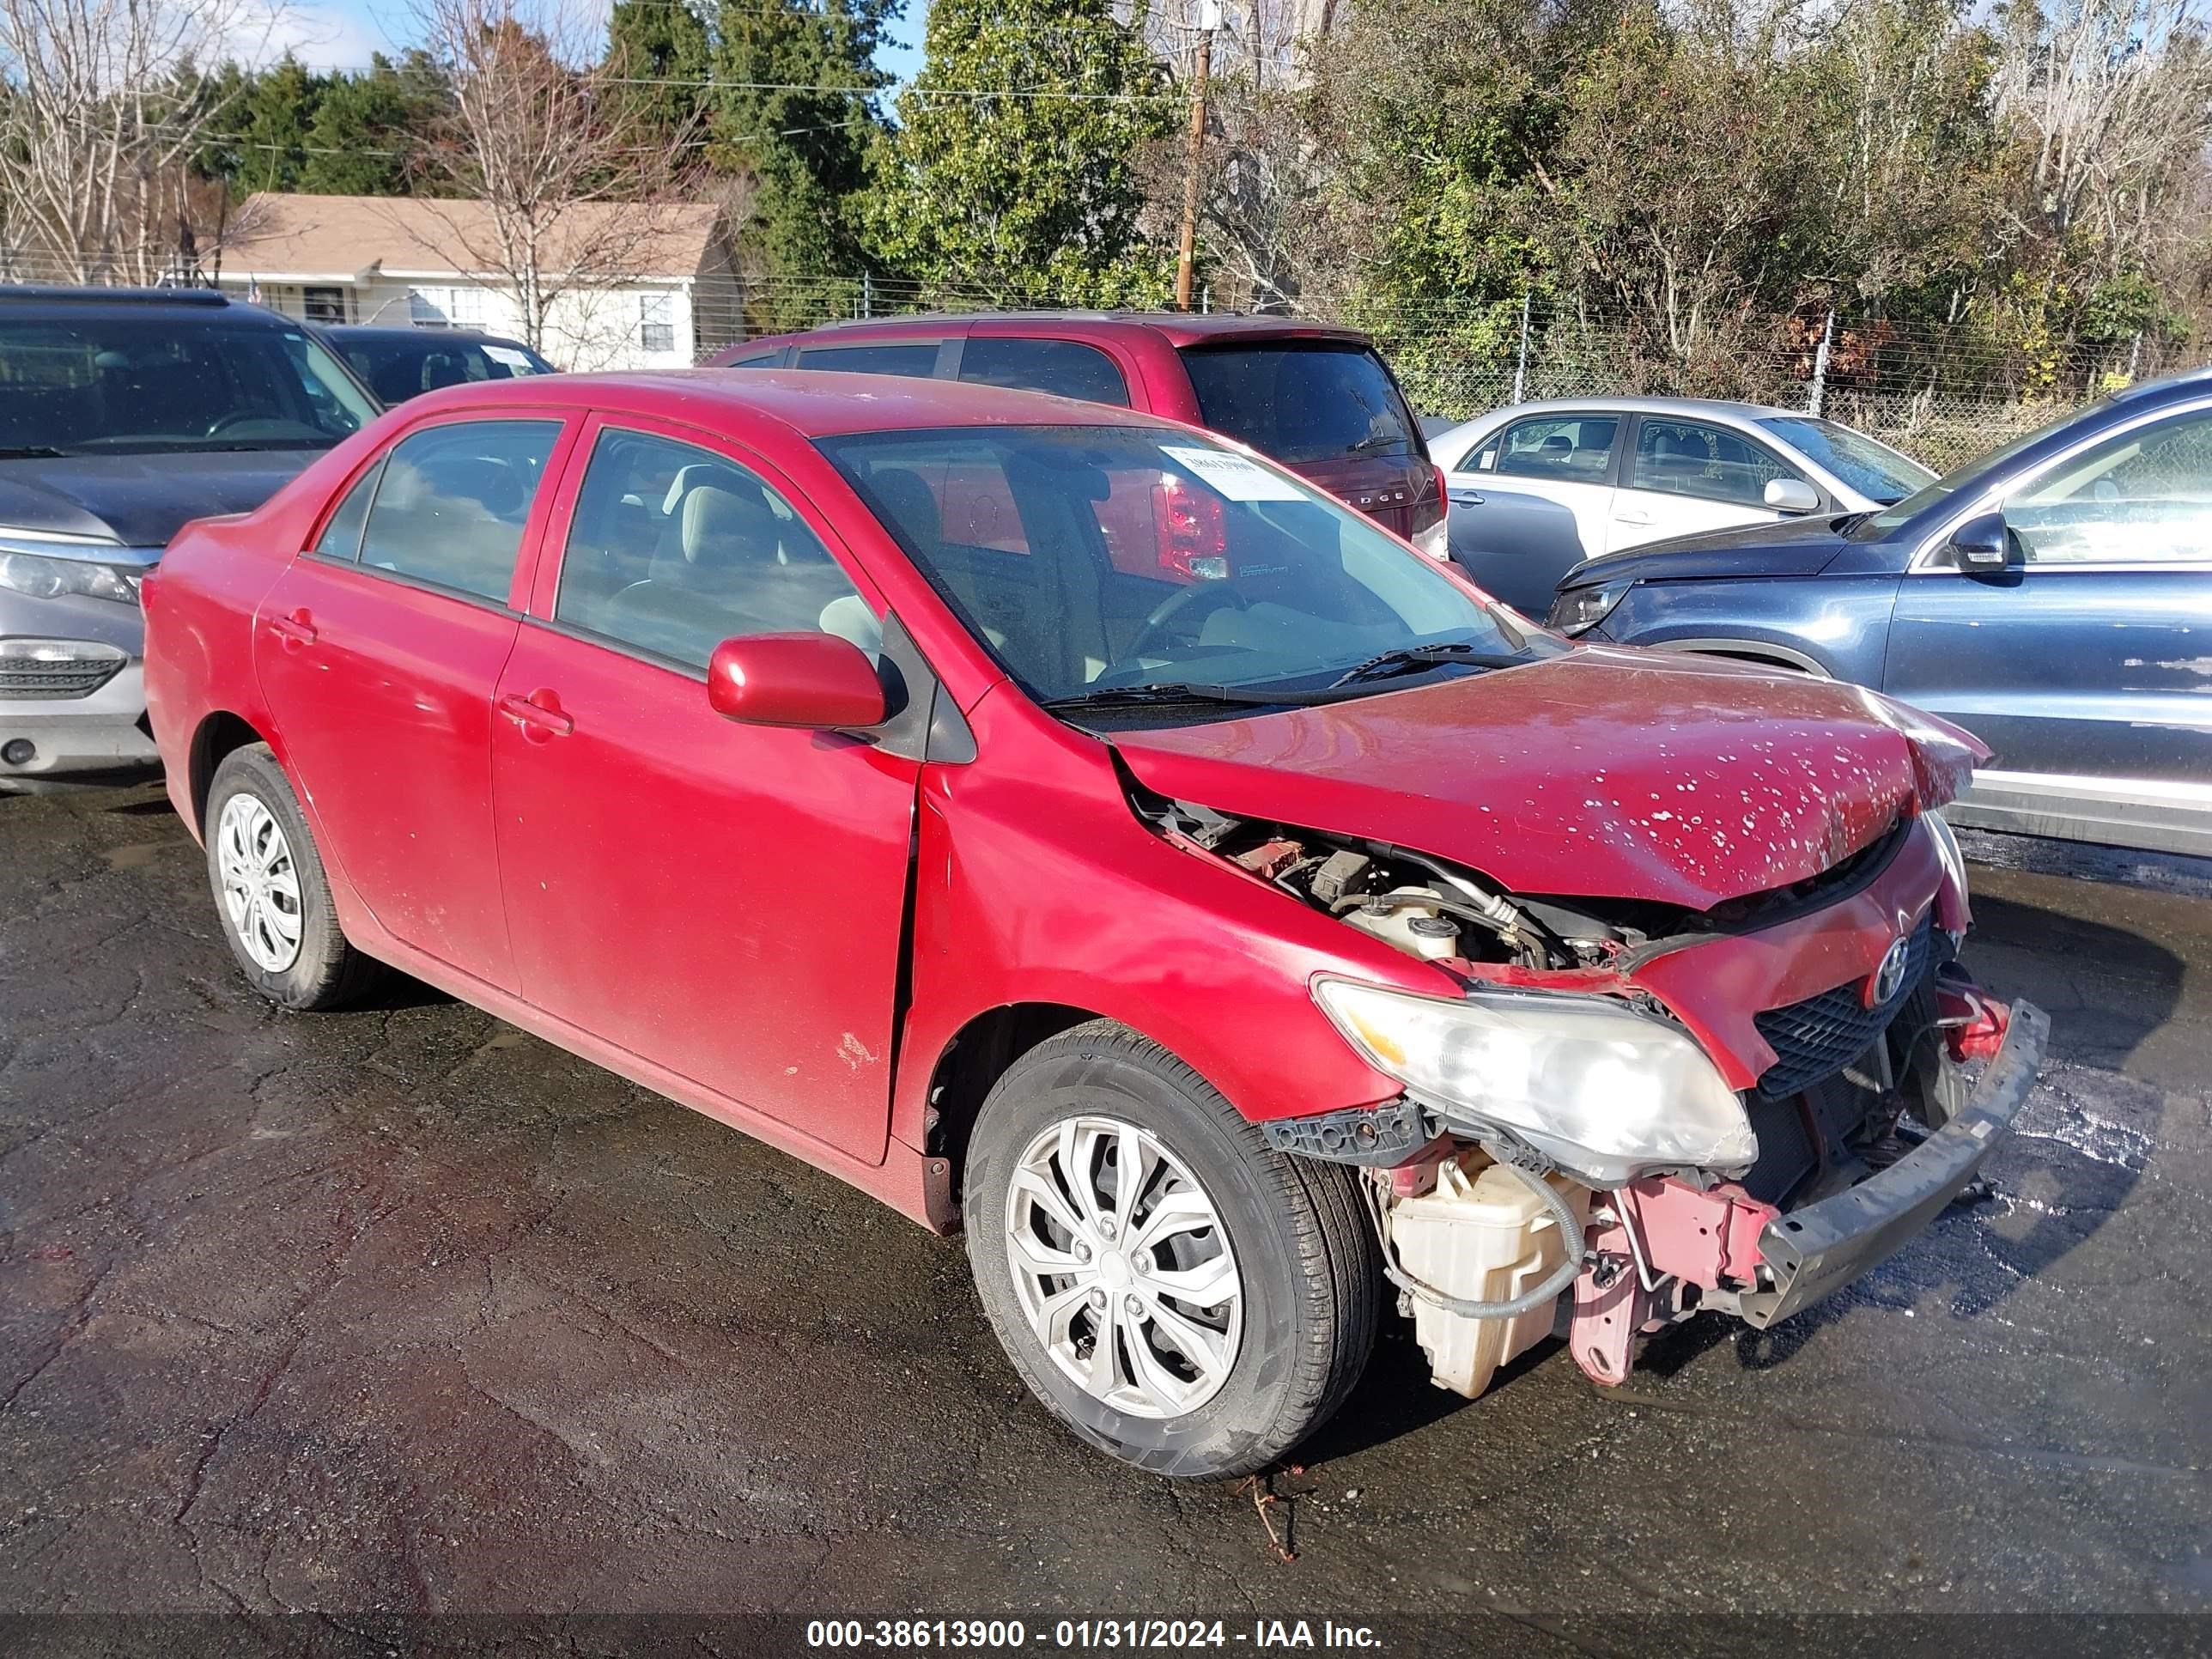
1318,399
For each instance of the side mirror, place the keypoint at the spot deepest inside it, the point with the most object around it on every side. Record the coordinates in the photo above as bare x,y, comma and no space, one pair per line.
795,679
1792,496
1983,544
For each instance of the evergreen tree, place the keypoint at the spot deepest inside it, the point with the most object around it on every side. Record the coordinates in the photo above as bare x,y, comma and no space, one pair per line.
663,41
370,130
794,115
1013,168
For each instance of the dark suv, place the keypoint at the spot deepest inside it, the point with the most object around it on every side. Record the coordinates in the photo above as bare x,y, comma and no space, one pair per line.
1317,399
125,413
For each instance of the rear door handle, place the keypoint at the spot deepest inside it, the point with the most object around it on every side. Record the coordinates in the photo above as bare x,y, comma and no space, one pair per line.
1631,518
1465,498
296,629
539,716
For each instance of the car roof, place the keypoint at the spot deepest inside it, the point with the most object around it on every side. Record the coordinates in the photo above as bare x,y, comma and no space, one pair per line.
811,403
1178,328
1720,408
407,331
76,301
2167,386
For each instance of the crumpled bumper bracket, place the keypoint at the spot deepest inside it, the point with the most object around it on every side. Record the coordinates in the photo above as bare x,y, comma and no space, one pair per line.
1812,1253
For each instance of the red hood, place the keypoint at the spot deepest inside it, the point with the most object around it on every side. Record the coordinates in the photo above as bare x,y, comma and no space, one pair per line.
1607,774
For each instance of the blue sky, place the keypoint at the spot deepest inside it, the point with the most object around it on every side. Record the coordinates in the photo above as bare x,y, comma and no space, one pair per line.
342,33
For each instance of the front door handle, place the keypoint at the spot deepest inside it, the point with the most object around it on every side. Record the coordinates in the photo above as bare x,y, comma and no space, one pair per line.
296,629
1631,518
1465,498
539,715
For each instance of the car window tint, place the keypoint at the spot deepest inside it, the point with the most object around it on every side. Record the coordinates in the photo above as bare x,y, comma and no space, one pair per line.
757,360
1066,368
1302,402
919,362
1573,448
2144,496
341,536
1686,458
453,501
673,548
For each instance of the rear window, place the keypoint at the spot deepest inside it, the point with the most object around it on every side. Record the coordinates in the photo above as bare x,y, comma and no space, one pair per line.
1299,402
919,362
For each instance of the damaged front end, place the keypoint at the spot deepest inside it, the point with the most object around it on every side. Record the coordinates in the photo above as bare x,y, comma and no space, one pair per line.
1618,1114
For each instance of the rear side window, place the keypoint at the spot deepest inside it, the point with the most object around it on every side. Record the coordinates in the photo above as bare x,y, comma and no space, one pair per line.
1066,368
1299,402
341,536
757,360
453,501
1685,458
1574,448
918,361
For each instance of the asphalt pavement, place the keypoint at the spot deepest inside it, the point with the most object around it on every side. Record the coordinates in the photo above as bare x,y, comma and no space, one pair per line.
399,1315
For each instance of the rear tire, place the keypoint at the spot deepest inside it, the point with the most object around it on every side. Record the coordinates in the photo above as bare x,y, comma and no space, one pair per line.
1285,1243
271,891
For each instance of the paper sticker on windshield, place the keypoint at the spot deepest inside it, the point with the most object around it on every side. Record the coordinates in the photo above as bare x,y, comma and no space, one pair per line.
510,356
1237,477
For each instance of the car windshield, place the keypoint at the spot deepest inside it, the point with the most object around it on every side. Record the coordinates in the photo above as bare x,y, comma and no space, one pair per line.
1875,470
147,384
1131,566
1964,478
1302,402
404,367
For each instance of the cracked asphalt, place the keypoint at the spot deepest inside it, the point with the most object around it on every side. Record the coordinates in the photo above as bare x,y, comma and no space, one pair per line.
398,1313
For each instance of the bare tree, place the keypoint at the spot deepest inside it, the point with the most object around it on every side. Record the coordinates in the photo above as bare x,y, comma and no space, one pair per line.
563,192
103,104
2113,100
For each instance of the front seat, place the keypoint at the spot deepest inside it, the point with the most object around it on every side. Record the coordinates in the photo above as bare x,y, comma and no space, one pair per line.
726,538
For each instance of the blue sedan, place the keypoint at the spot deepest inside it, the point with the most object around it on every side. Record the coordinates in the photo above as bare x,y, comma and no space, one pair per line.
2055,597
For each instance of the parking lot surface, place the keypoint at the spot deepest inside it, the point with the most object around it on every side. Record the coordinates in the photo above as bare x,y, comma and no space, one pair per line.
400,1312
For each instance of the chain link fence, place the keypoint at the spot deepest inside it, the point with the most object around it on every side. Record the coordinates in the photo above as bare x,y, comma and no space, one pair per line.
1941,395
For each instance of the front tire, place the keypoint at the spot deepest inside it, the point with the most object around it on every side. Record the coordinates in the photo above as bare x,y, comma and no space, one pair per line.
1198,1320
271,891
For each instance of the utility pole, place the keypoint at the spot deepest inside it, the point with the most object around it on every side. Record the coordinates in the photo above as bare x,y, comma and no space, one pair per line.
1209,19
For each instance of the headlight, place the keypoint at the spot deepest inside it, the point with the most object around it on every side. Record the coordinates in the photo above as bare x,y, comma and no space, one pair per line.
1581,609
1607,1092
42,578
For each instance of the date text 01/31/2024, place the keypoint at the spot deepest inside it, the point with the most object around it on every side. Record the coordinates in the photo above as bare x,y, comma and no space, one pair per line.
1156,1634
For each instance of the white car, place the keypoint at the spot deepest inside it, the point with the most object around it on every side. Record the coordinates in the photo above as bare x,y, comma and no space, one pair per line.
1537,488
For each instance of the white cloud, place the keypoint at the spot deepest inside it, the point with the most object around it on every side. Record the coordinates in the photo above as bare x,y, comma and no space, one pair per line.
323,35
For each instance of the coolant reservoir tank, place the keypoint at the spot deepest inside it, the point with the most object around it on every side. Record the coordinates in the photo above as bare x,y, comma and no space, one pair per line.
1419,930
1481,1235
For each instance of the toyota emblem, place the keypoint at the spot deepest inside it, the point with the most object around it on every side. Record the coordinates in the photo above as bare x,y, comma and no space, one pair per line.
1889,977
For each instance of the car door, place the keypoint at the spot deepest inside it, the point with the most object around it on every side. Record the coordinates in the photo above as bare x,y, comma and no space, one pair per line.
2085,658
1532,501
1685,477
379,650
723,900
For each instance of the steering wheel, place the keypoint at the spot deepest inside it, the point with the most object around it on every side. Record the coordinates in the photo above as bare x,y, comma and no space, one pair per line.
1201,599
223,423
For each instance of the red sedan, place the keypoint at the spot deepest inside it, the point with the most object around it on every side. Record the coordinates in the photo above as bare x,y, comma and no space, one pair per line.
1223,941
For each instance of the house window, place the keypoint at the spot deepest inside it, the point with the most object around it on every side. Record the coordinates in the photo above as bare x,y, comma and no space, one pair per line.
656,322
453,307
323,305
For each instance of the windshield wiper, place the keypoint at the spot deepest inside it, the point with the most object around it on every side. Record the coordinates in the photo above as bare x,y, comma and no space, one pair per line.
1406,659
1178,691
31,452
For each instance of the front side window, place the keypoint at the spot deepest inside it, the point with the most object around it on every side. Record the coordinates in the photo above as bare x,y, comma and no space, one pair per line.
1300,402
1688,458
915,361
2142,497
146,385
1066,368
1874,469
673,548
452,502
1572,448
1140,557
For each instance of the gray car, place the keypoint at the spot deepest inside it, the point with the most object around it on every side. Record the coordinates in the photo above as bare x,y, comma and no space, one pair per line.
1537,488
123,414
